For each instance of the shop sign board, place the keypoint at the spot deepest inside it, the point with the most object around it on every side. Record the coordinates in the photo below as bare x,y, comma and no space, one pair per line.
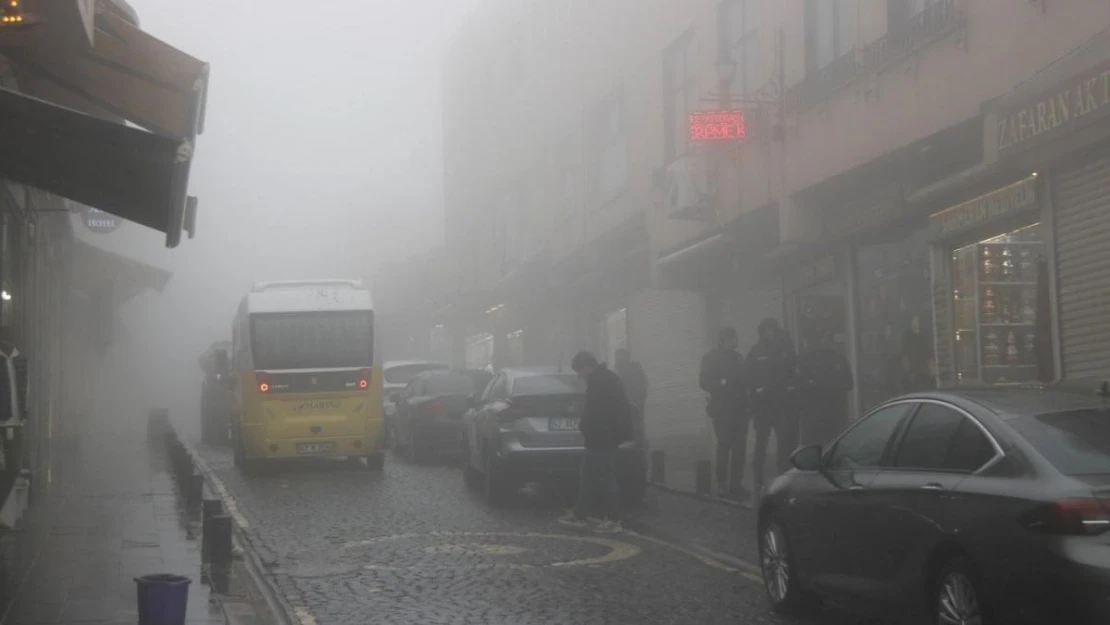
1072,105
1009,200
99,221
710,126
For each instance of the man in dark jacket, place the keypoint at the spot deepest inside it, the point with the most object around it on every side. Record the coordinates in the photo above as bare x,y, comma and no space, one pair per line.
722,376
636,385
825,378
772,365
605,424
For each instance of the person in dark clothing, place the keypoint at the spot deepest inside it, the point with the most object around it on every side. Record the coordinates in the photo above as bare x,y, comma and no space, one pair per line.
636,385
825,378
771,372
916,358
722,376
605,424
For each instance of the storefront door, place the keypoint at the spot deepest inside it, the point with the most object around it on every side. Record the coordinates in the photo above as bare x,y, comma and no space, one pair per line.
895,318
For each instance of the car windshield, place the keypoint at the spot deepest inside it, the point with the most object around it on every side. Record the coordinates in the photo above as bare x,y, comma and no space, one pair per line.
312,340
401,374
549,384
448,383
1076,442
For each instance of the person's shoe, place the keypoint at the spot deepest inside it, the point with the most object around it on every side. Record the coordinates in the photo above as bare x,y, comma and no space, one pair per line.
609,527
570,520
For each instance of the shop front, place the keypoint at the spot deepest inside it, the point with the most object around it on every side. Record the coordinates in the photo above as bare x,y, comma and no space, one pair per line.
993,301
1058,124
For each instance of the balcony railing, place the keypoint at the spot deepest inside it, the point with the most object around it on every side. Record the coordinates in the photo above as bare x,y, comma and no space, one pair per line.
938,20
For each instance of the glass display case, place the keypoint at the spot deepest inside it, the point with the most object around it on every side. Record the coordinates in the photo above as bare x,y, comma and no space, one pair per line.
995,296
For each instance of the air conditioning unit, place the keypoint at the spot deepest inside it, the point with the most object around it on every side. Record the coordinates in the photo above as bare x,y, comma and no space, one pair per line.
689,189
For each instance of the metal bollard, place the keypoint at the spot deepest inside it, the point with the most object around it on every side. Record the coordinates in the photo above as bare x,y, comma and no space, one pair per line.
219,542
657,474
210,508
703,483
195,492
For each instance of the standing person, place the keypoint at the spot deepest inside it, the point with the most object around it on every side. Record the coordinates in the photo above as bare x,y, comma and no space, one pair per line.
772,365
825,378
722,376
636,385
605,424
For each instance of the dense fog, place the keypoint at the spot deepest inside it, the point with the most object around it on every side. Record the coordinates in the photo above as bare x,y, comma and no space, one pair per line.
320,159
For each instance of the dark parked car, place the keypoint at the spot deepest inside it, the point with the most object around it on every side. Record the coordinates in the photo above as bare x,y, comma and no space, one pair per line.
428,418
973,506
396,375
524,428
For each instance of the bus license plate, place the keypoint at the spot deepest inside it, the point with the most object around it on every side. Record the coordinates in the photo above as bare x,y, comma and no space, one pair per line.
563,424
307,449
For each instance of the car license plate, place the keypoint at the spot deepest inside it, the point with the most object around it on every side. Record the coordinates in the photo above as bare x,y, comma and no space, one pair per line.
563,424
306,449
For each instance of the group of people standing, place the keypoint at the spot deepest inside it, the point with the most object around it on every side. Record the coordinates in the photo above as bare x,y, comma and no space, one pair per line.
772,390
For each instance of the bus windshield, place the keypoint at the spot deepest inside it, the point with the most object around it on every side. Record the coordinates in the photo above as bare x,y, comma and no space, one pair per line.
312,340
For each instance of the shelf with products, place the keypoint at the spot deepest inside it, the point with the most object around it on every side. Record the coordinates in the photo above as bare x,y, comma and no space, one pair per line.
994,298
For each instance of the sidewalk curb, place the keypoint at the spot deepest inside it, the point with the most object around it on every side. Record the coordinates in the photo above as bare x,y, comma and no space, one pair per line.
280,611
720,501
640,527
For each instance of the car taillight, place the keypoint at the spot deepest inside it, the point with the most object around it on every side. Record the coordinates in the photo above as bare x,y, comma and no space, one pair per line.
364,379
1069,517
434,408
263,381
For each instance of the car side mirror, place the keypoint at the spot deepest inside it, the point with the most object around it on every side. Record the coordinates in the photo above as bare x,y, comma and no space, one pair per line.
807,458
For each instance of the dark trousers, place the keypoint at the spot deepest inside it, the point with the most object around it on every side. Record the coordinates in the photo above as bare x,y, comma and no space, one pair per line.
774,413
598,492
731,430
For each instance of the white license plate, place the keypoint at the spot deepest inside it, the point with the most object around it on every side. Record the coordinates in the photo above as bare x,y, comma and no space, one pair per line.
315,448
563,424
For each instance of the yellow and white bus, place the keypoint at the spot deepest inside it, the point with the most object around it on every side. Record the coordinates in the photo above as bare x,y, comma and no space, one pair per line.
306,383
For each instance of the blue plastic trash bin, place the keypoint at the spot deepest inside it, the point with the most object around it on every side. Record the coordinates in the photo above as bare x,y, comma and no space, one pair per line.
162,599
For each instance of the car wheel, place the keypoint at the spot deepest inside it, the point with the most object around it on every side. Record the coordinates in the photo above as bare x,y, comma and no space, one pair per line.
780,578
375,462
957,599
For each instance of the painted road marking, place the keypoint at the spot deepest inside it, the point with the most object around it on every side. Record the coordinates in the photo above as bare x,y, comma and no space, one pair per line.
304,616
617,550
704,557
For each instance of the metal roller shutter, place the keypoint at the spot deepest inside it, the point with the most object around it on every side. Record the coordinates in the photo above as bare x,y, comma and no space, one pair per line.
1083,265
666,332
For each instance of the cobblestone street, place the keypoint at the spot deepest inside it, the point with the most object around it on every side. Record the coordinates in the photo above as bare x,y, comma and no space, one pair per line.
412,545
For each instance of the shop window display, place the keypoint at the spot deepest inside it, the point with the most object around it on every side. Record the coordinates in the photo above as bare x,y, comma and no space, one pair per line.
1000,298
896,319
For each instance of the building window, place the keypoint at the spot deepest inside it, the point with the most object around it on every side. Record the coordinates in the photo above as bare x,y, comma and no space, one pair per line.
740,42
832,26
680,88
609,147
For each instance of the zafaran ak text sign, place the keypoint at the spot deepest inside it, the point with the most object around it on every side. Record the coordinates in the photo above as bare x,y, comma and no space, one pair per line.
1070,106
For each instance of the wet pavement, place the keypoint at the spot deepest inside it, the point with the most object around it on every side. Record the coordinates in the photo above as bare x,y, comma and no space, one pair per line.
106,513
412,545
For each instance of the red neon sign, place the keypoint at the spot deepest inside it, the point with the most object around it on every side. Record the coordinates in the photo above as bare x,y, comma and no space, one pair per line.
717,126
